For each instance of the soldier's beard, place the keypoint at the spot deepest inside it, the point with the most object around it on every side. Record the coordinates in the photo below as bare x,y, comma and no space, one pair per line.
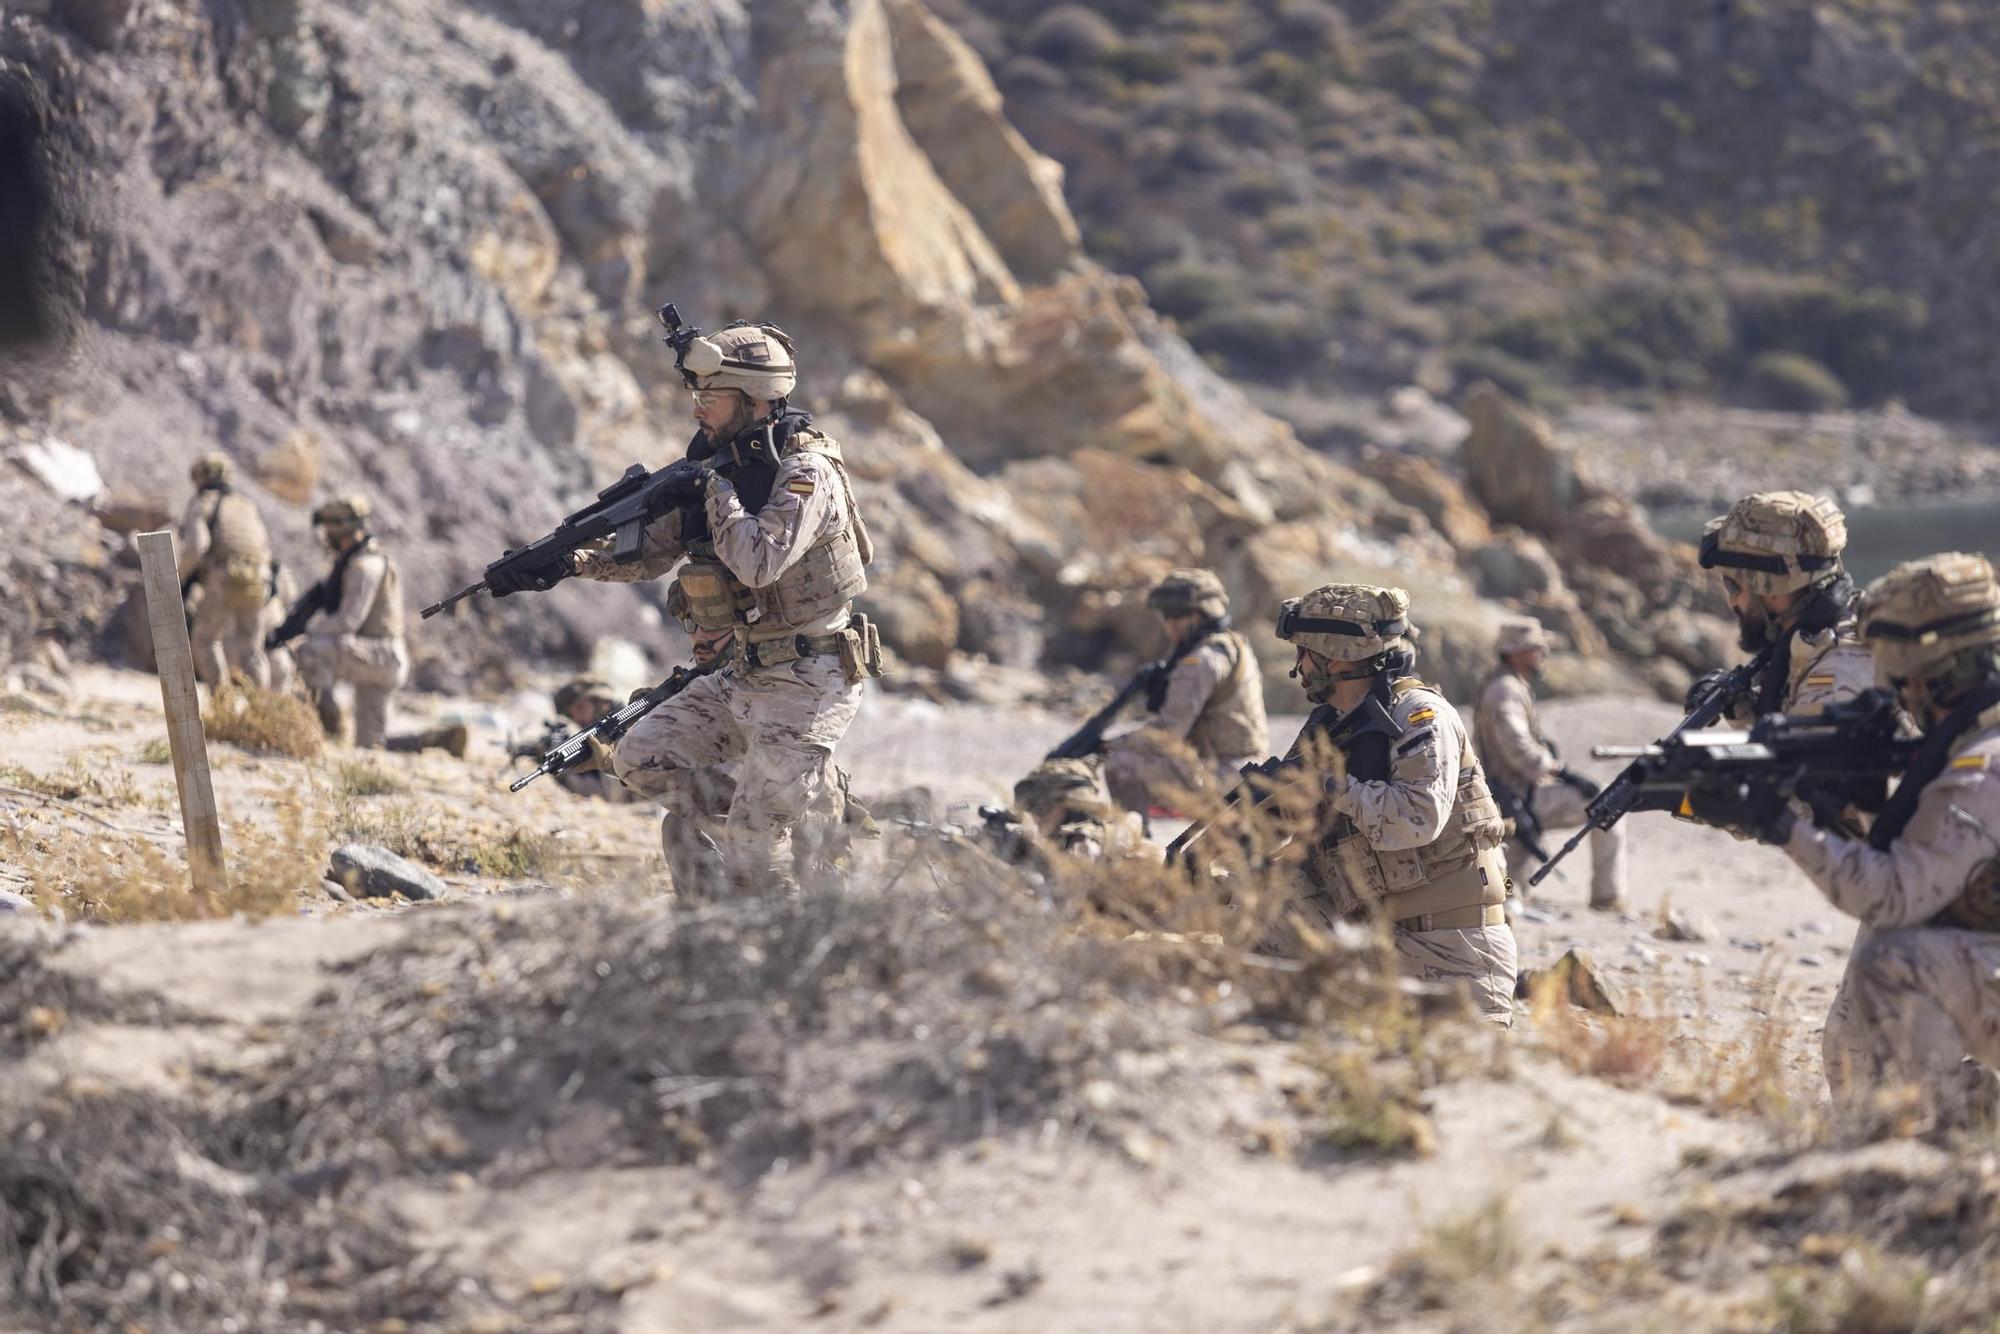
1753,631
739,420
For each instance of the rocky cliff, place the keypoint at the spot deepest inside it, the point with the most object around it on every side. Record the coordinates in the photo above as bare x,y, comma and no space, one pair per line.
412,248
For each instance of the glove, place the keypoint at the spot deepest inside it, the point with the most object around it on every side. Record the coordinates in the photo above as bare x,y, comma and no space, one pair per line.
1702,685
534,579
1753,809
1579,782
683,479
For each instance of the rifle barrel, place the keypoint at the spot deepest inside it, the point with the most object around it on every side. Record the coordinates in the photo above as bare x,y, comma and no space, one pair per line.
453,600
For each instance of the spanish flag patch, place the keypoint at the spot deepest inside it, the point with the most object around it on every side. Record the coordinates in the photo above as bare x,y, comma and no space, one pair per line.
800,486
1825,680
1422,716
1969,762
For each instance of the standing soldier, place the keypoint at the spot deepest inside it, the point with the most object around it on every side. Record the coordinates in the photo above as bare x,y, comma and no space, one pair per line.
1210,702
1779,556
776,553
1925,882
1408,828
357,636
226,553
1524,772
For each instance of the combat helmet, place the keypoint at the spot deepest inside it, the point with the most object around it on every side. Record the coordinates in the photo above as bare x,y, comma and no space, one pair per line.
211,469
1055,785
1937,619
583,687
1359,623
1777,542
349,511
755,358
1189,592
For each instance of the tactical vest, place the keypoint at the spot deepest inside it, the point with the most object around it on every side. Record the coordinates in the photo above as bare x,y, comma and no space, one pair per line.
1445,874
385,618
1977,907
237,564
1232,724
831,573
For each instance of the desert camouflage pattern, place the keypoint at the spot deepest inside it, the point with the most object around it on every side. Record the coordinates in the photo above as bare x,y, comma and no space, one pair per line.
1507,735
1189,592
226,552
1425,843
779,726
1784,524
1365,605
1954,599
361,644
1919,992
1211,722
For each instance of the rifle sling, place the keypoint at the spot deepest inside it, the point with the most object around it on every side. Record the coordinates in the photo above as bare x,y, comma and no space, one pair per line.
1928,763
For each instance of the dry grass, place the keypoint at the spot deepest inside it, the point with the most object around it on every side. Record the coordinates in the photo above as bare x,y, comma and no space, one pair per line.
363,778
75,781
264,721
115,877
442,837
1457,1265
155,751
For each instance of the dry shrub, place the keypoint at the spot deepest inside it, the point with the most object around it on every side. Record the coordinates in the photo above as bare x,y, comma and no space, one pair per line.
1628,1050
37,1002
1360,1102
443,838
75,781
1456,1265
123,878
156,751
156,1234
362,778
268,722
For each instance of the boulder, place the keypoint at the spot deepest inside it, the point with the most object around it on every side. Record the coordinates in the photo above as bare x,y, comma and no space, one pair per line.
127,512
1515,466
1423,484
369,872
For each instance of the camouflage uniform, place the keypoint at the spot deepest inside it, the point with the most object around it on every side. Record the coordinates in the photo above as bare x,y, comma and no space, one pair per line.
1508,736
1780,542
1208,721
783,574
1411,830
591,778
1920,991
361,642
226,554
1066,808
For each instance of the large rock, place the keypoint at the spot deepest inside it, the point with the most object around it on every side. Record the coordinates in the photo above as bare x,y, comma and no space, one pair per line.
369,872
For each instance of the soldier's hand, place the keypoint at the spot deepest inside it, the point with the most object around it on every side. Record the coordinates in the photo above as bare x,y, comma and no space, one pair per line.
1702,685
1755,809
534,579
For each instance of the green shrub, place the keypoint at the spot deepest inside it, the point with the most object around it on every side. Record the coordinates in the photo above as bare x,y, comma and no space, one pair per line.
1263,342
1523,379
1072,35
1856,336
1795,383
1189,289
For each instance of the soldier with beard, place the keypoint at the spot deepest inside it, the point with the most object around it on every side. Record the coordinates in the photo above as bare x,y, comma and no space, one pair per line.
1919,992
774,553
1779,556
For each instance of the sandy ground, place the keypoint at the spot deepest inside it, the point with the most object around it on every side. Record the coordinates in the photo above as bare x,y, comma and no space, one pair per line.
1195,1235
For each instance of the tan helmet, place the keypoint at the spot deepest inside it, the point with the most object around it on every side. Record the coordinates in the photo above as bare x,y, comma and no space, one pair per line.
755,358
1057,784
1919,618
1347,622
211,469
1518,634
343,512
1776,541
584,687
1189,593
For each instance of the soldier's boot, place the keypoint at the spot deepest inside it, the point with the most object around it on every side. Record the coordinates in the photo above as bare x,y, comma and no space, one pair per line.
331,716
452,737
694,858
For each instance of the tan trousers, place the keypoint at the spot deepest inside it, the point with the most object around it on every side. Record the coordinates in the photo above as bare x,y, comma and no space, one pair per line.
228,639
1561,807
373,668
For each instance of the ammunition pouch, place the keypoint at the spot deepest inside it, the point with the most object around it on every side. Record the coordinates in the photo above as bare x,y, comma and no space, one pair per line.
716,599
859,647
861,650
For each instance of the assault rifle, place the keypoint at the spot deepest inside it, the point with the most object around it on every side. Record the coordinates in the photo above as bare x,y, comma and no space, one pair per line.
322,596
1089,738
554,732
1843,756
1260,779
572,750
1619,796
1521,810
621,512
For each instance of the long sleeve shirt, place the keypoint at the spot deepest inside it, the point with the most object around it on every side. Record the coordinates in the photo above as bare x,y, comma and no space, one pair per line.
1410,809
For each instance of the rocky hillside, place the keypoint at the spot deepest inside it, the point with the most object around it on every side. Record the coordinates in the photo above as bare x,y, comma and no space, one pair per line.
1779,205
413,248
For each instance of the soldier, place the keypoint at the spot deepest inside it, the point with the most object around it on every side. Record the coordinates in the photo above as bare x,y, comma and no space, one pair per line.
1523,770
1925,882
359,639
583,701
1408,827
1210,702
1779,554
226,554
775,554
1065,807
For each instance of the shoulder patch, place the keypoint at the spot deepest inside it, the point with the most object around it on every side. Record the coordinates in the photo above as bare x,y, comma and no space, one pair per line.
1820,679
1422,716
801,486
1969,762
1415,739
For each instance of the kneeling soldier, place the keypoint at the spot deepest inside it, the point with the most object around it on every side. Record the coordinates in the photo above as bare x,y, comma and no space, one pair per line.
1408,828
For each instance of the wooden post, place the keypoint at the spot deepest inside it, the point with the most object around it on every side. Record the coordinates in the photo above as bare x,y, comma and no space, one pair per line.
185,739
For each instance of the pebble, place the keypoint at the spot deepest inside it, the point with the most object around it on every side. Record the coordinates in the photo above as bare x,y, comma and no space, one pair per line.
1810,961
1645,954
1697,959
1745,943
10,902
